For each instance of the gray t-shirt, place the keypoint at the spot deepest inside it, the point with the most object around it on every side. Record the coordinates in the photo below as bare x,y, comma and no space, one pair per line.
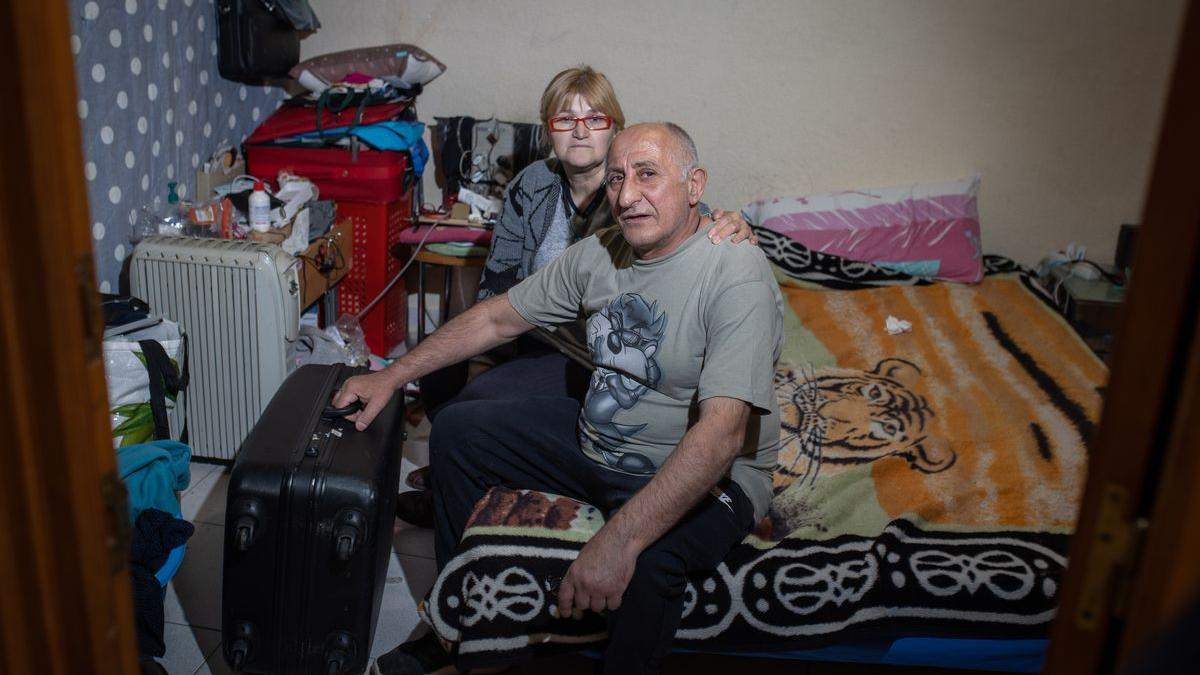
705,320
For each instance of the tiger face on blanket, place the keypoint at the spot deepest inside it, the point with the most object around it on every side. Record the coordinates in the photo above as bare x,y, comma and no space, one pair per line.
840,416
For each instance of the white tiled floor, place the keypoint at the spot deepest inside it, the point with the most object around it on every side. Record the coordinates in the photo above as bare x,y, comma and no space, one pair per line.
193,602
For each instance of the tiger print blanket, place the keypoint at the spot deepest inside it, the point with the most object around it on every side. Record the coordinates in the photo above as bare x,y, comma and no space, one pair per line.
927,482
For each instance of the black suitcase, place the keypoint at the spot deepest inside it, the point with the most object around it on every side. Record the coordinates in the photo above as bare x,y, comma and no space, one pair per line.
256,41
308,531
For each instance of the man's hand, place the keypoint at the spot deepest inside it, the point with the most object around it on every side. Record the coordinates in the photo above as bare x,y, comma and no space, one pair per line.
730,224
483,326
598,578
373,389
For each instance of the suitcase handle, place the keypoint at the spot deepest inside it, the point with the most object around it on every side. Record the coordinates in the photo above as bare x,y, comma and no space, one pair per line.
331,412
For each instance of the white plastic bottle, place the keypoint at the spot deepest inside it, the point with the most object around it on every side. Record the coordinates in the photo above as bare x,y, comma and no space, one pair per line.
260,208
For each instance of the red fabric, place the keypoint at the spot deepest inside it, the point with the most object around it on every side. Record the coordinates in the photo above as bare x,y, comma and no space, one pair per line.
292,120
375,176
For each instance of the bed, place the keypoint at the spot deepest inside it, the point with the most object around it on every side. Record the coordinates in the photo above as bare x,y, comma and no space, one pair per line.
924,496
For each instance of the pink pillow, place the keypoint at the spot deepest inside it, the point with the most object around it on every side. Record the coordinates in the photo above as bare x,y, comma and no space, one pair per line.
926,229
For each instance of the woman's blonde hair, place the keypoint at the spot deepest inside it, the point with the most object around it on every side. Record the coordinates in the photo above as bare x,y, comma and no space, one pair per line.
594,87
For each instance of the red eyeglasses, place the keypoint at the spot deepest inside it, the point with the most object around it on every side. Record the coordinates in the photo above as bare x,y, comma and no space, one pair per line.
595,122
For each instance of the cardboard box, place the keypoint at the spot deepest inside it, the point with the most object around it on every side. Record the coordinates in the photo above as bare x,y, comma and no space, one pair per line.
335,254
214,177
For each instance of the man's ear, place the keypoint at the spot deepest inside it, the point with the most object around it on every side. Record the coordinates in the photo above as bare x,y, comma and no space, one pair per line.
696,181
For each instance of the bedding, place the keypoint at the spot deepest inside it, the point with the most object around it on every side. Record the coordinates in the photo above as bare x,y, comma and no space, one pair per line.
926,229
926,487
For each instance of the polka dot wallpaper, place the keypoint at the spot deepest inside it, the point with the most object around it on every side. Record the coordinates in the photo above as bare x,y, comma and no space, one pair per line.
151,107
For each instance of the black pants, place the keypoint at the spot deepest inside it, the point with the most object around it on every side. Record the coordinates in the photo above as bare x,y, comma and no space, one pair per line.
532,444
533,369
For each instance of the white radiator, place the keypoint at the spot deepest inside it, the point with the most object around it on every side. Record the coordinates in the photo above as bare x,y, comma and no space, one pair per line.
239,304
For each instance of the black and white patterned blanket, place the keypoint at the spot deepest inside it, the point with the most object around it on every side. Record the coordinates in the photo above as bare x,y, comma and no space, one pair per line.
496,598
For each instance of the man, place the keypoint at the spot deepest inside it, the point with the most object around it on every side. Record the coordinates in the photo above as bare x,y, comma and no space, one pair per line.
679,430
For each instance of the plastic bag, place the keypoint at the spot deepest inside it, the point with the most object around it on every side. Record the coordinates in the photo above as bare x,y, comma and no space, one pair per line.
351,333
341,343
214,217
170,218
314,345
145,220
127,373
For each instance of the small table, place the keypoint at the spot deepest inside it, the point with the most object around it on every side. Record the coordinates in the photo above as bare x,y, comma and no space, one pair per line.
1092,306
441,234
324,264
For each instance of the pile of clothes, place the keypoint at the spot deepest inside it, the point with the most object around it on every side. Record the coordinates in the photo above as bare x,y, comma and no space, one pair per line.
145,364
356,121
152,473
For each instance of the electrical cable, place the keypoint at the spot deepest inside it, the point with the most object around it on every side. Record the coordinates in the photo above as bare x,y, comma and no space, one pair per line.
1058,291
1109,276
491,167
464,175
395,279
333,252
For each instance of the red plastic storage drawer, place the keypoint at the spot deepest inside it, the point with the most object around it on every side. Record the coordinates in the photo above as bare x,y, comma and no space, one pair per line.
376,228
364,175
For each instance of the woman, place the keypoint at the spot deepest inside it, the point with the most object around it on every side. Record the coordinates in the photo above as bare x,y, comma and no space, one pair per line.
548,206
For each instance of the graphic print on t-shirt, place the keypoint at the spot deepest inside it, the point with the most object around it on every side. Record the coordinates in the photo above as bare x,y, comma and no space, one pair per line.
623,338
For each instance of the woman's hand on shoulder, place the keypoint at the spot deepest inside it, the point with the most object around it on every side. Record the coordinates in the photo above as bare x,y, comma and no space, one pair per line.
730,224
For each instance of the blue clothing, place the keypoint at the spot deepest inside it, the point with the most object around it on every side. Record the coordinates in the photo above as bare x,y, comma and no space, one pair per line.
388,135
152,472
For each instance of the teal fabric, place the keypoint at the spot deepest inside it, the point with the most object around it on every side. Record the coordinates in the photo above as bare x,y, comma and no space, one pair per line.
388,135
152,472
916,268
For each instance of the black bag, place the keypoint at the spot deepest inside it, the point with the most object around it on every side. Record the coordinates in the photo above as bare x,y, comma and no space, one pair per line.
120,310
308,529
256,41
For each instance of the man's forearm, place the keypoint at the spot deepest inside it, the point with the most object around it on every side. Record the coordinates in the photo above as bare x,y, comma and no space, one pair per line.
701,459
485,325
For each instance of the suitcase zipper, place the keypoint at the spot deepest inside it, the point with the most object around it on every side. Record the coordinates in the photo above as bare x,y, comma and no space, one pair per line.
310,467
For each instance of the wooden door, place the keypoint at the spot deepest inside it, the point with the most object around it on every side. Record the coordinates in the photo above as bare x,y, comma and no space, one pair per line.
65,604
1135,558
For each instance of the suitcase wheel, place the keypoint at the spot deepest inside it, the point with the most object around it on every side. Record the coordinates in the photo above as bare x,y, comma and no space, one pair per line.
239,651
348,533
242,646
247,523
340,651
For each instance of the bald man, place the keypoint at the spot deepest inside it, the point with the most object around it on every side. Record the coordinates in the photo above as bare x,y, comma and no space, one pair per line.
679,431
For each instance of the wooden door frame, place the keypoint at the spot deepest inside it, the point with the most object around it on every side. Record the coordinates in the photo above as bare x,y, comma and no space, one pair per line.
1141,466
65,595
1168,575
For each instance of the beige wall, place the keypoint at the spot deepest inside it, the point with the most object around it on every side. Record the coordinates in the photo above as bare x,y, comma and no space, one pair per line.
1055,103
